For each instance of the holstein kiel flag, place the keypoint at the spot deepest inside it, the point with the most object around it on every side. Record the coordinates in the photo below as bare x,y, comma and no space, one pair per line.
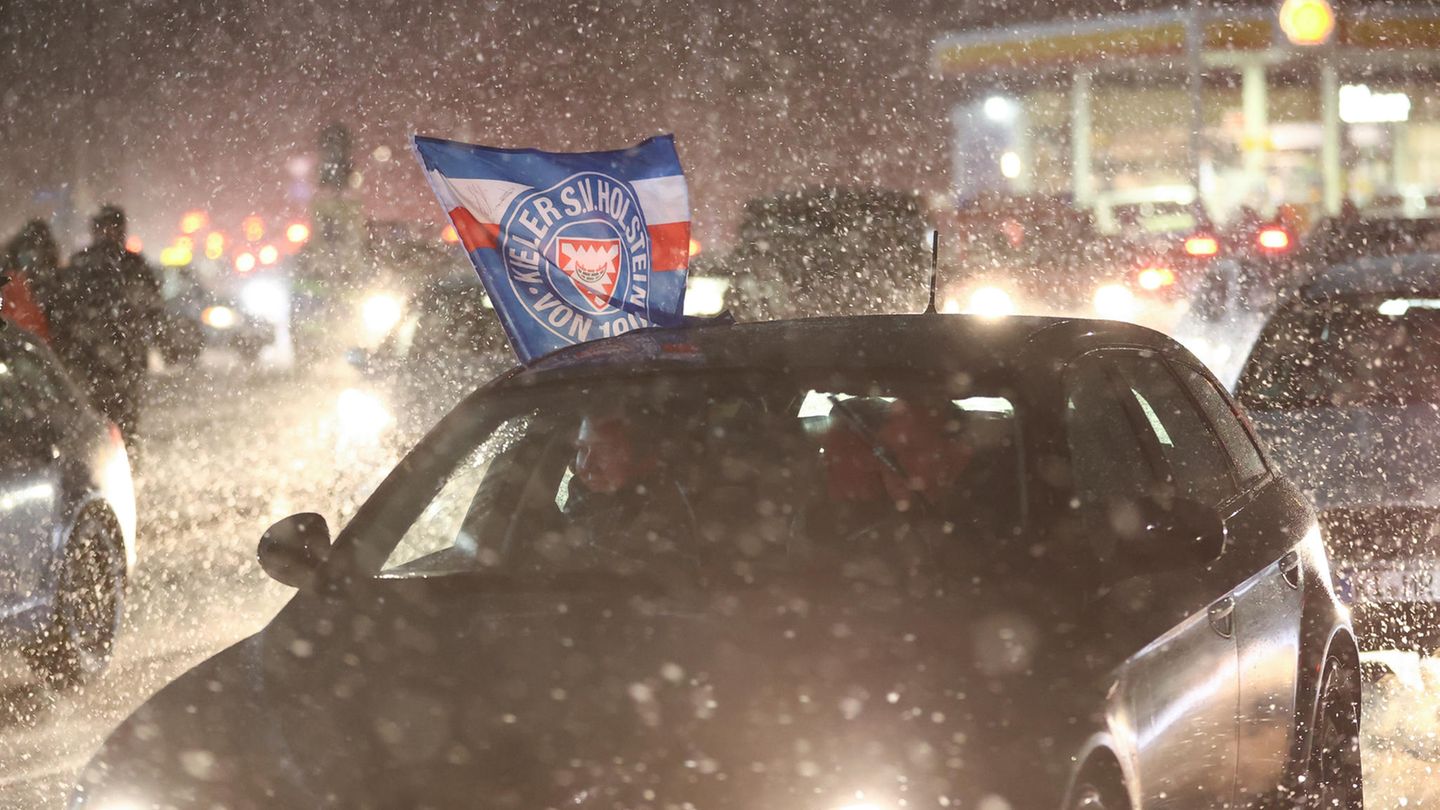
570,246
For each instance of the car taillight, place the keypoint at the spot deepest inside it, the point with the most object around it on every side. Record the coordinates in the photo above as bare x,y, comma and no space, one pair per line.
1202,245
1153,278
1273,239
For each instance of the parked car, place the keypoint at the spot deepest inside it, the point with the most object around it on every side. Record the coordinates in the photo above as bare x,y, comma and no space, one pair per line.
882,561
67,517
1343,385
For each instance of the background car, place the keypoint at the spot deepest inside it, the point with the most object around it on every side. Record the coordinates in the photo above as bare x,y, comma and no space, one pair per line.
1343,385
67,517
903,560
825,250
445,340
197,318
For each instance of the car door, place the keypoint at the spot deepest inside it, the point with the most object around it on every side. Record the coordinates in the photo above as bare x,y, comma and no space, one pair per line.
29,480
1264,533
1176,695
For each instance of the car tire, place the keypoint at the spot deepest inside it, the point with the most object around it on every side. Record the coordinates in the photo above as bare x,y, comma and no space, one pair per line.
79,638
1333,779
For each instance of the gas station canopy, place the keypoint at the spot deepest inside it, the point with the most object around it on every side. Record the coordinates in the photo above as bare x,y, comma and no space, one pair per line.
1391,33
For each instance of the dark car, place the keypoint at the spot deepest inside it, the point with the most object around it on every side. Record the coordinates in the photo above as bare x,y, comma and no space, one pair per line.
916,561
447,342
197,318
67,517
1344,384
1044,254
828,249
1340,240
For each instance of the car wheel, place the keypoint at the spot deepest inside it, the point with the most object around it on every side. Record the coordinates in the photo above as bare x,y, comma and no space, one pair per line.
80,637
1334,778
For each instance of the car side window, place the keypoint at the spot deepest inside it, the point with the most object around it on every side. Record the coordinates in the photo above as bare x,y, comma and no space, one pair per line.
1249,464
1198,463
1106,456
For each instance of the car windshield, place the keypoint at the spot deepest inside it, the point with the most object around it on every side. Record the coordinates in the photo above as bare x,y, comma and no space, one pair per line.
1353,351
713,479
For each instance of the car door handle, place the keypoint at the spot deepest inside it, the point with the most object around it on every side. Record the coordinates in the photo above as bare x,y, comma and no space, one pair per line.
1290,568
1222,617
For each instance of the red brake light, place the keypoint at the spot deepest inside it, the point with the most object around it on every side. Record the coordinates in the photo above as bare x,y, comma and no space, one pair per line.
1153,278
1273,238
1202,245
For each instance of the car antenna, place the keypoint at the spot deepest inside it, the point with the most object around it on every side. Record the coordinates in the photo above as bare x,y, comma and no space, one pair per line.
934,264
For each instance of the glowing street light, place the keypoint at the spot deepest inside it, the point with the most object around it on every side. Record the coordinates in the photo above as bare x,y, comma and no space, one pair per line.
1307,22
133,243
268,255
178,254
297,233
449,235
245,262
193,221
1010,165
253,227
214,245
1000,109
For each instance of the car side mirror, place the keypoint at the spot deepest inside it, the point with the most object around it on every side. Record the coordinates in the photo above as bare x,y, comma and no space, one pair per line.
292,550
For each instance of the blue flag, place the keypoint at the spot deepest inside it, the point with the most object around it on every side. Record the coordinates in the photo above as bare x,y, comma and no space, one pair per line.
570,246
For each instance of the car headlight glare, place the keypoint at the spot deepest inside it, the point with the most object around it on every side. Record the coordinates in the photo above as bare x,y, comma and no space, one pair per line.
219,317
380,312
990,302
1114,302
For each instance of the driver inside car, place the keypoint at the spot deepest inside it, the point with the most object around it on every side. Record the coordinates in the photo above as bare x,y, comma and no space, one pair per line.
621,503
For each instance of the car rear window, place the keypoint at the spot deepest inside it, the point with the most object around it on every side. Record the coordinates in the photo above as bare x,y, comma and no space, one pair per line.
1360,350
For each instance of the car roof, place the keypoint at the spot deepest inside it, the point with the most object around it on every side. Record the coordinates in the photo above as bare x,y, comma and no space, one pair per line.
922,343
1416,274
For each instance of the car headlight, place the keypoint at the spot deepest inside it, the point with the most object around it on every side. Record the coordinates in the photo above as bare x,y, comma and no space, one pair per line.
990,302
362,417
705,295
1153,278
380,312
265,298
1114,302
218,317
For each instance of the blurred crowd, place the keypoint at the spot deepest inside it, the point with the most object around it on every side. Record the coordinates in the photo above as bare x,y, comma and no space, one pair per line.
100,311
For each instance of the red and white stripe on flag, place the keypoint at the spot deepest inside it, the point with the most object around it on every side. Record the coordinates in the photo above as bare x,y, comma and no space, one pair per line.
479,205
